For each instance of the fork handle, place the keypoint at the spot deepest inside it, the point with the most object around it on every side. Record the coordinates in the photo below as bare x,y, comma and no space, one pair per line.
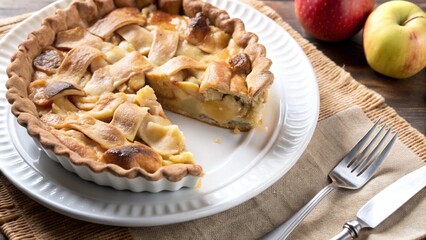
284,230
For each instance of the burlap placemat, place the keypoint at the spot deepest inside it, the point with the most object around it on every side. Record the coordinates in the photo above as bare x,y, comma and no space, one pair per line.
339,128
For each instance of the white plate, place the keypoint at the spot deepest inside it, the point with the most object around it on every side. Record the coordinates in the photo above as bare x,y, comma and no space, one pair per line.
237,169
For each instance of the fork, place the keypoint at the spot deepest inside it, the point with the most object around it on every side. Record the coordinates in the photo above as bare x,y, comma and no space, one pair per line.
352,172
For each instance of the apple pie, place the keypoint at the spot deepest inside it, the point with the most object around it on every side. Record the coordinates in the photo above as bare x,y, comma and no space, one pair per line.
92,82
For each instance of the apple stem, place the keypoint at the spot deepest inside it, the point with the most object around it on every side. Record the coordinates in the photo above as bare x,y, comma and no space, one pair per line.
408,20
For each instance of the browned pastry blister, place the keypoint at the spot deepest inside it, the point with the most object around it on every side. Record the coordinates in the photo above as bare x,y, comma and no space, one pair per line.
58,52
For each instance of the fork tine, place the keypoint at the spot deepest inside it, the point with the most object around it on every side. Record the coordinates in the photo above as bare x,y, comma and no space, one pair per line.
348,158
361,166
379,160
366,150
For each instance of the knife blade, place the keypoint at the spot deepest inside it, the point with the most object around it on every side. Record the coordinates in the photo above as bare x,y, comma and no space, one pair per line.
381,206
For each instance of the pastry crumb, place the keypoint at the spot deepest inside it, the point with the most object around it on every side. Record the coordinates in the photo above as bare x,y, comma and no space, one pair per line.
236,131
217,140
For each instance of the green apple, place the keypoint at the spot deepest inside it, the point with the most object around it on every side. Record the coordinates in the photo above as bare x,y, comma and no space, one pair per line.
394,39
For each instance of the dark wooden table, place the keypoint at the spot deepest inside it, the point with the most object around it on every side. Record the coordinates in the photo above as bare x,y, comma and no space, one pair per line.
407,97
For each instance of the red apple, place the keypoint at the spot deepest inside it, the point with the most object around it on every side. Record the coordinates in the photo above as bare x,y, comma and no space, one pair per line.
333,20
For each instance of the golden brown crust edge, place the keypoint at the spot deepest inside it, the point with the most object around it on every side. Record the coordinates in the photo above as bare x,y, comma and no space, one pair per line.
81,12
260,78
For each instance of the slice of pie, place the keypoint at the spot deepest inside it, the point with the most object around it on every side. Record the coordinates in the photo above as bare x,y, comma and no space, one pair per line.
92,82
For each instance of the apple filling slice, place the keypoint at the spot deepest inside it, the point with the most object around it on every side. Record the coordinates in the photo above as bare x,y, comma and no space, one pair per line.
209,77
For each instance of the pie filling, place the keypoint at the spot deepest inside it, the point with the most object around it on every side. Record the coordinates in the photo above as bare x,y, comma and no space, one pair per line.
101,89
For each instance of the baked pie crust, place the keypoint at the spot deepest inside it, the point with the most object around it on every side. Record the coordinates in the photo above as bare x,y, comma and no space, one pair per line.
91,83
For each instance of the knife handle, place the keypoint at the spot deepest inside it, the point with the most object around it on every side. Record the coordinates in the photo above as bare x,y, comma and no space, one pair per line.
350,231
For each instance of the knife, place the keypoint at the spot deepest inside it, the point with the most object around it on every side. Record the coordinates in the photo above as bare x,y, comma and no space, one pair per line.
384,204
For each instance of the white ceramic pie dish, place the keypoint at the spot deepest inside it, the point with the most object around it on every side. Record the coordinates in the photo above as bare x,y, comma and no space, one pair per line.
109,174
237,169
